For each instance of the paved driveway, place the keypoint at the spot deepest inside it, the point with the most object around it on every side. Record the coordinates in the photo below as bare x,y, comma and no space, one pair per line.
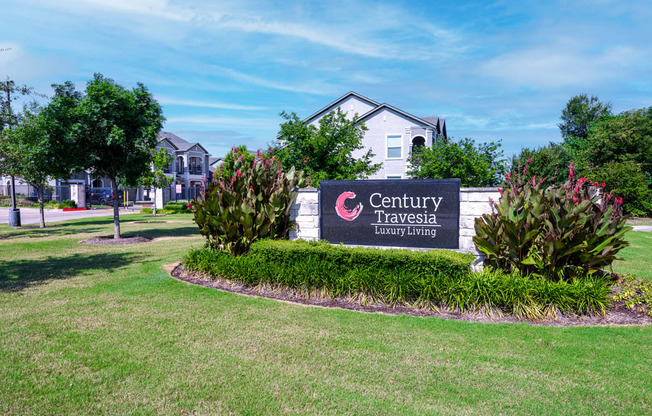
31,215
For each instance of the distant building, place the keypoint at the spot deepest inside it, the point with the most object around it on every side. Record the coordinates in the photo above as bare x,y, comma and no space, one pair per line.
190,168
392,133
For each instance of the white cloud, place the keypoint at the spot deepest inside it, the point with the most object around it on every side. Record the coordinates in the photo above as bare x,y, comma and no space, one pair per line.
210,121
207,104
315,87
153,8
554,66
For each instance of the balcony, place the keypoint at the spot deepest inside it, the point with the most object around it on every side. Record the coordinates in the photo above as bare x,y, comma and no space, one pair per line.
195,170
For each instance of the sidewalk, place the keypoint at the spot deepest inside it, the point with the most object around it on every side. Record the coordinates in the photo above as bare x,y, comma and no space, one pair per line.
31,215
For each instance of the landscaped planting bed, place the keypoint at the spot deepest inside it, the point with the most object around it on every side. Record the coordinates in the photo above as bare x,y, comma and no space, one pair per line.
430,280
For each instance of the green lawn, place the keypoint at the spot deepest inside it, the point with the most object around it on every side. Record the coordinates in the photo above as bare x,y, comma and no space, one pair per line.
638,256
104,330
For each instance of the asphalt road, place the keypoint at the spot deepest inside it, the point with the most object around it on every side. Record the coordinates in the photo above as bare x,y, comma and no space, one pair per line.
31,215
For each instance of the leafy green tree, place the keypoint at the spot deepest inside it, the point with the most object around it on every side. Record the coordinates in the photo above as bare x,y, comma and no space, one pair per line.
579,113
628,181
10,92
325,152
474,165
549,161
26,154
239,153
116,131
156,178
625,137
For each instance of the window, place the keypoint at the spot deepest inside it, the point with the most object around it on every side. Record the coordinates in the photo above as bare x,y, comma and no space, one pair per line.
394,146
394,177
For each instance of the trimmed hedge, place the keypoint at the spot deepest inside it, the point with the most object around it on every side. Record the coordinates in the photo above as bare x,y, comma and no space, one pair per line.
415,278
176,207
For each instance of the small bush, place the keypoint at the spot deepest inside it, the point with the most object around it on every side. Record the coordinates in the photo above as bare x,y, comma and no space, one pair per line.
430,279
66,204
5,201
176,207
158,211
555,232
251,205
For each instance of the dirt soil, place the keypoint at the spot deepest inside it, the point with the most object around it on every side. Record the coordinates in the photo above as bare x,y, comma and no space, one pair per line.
618,315
110,240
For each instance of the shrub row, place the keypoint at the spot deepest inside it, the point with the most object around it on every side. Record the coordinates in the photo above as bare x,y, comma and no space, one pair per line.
176,207
5,201
425,279
65,204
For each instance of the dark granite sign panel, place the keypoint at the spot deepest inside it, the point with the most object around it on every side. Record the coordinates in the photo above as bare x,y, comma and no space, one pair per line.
401,213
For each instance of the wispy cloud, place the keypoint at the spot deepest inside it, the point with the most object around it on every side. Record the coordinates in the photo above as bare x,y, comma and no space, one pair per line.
207,104
212,121
315,87
152,8
551,66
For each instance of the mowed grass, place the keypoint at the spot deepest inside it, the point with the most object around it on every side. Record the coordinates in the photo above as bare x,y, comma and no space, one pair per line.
104,330
637,257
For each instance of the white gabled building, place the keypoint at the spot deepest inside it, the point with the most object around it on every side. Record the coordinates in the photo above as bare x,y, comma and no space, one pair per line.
392,133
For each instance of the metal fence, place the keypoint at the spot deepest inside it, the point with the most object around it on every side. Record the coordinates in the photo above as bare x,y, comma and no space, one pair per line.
56,193
187,193
59,193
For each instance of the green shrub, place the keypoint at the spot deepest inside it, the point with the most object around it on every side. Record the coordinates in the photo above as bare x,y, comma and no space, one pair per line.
176,207
627,180
254,204
158,211
5,201
67,204
430,279
556,232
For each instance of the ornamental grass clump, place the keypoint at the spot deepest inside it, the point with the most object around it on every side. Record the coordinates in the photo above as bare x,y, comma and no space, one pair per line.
553,232
252,204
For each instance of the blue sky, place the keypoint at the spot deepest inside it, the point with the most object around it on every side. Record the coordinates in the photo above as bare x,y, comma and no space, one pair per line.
223,71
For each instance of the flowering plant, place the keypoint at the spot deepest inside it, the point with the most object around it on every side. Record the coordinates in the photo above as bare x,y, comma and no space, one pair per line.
555,232
252,204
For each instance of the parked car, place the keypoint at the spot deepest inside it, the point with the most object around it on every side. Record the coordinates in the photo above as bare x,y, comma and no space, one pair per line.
104,196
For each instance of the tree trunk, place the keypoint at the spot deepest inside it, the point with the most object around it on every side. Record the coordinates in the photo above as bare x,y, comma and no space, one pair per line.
39,193
13,193
116,210
154,207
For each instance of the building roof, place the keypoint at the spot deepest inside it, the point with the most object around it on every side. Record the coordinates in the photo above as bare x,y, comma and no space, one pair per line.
439,124
338,101
178,143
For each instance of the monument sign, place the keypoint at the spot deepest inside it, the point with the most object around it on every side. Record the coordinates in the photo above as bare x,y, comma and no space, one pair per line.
398,213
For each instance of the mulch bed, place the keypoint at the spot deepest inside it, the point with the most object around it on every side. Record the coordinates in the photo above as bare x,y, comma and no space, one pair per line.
99,241
618,315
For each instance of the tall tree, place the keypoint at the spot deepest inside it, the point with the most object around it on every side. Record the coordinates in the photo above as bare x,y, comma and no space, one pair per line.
625,137
325,152
28,153
474,165
549,161
10,92
579,113
116,133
